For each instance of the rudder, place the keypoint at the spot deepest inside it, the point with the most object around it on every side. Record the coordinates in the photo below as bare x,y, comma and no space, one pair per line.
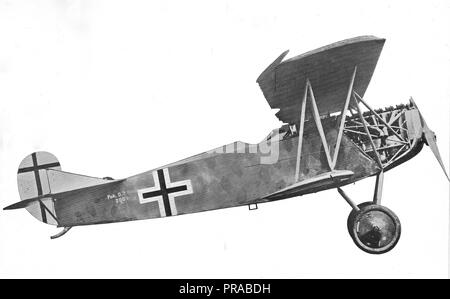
33,181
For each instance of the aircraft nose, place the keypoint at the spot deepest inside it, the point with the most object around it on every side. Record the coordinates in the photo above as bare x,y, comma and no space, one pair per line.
429,138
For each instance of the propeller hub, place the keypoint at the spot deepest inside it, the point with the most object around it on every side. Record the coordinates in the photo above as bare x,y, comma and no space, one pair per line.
428,135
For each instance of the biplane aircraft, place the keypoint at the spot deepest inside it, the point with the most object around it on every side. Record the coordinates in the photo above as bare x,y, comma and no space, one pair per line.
330,138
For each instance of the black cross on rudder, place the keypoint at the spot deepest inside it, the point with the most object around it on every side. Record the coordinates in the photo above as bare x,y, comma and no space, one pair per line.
35,169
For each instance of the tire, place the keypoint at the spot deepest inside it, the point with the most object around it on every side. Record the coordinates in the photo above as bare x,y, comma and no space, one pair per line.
374,228
353,213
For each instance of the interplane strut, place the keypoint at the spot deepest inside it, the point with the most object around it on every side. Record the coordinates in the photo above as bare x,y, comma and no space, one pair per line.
351,95
309,91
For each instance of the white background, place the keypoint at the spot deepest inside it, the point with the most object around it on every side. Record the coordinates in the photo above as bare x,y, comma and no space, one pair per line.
114,88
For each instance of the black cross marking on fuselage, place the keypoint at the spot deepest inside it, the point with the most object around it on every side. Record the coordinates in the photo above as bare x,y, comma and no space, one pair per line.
35,168
164,192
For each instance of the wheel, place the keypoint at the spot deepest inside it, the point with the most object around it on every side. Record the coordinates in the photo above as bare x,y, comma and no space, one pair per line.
374,228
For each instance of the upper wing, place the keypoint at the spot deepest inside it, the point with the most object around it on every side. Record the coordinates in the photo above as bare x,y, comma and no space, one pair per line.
328,69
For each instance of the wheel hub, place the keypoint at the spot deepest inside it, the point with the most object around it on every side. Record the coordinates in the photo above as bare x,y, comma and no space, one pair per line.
375,229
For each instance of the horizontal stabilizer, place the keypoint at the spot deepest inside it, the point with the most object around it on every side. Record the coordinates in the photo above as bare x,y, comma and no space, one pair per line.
27,202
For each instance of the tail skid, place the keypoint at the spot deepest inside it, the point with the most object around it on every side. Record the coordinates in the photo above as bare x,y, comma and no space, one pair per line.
61,233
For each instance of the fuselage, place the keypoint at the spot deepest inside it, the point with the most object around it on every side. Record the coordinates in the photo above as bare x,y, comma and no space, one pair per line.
241,174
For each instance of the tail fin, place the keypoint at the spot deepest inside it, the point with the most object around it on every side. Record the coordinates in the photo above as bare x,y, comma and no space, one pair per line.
33,182
39,178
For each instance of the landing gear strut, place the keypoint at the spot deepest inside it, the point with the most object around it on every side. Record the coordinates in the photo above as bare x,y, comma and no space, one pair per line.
374,228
